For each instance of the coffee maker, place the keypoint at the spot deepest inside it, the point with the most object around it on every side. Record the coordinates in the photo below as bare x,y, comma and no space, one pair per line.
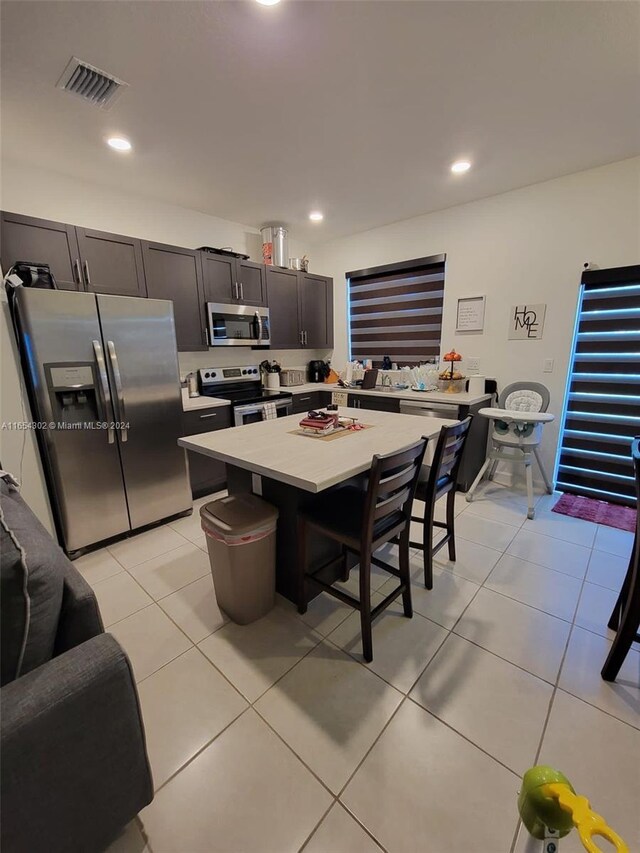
318,370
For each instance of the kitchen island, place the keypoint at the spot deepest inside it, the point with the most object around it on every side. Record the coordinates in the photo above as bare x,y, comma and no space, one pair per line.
287,469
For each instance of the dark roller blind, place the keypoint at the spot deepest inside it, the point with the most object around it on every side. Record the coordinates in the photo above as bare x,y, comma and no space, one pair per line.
396,310
603,405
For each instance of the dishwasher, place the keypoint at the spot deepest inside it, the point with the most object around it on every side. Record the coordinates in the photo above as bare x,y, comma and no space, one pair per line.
449,411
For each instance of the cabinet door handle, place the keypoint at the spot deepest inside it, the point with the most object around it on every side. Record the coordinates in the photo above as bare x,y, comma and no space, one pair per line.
301,333
242,290
210,415
302,399
87,277
306,338
77,273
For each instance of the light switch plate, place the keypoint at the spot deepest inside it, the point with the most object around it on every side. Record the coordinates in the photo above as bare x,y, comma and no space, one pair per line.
473,364
548,365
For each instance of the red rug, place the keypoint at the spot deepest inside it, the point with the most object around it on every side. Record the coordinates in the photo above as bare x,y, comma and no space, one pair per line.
613,515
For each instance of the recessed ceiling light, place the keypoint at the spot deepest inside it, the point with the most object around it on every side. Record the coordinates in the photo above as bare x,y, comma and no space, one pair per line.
119,143
268,2
460,166
316,216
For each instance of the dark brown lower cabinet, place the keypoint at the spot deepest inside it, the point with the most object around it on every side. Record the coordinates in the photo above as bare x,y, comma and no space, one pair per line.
303,403
377,403
206,475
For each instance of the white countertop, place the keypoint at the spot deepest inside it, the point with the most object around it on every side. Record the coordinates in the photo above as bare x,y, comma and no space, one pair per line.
462,399
191,404
268,448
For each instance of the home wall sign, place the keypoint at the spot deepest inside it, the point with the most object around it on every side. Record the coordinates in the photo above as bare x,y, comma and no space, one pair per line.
527,322
470,316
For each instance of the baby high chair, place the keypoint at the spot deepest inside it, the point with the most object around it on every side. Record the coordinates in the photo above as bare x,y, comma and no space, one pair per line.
517,432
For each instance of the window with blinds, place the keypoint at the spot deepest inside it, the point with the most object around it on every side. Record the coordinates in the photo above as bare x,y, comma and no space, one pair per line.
396,310
602,409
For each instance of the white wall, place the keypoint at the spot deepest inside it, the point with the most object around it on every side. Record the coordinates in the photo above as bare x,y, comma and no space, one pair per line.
527,245
49,195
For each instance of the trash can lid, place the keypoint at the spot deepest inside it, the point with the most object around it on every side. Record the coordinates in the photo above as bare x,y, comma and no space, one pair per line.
238,514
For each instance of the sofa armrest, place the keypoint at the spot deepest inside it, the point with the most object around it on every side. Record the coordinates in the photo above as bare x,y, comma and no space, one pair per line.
80,618
74,762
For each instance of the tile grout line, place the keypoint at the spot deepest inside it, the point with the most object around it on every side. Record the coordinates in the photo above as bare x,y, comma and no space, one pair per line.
545,725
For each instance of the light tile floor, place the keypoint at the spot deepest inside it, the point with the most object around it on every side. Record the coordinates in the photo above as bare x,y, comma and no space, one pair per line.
277,737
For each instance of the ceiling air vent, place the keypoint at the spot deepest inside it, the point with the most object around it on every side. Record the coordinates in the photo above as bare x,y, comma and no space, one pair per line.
95,86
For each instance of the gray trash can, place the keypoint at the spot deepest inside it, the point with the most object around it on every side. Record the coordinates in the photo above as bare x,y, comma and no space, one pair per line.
241,540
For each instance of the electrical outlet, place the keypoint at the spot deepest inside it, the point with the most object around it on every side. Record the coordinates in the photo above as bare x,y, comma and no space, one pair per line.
548,365
473,364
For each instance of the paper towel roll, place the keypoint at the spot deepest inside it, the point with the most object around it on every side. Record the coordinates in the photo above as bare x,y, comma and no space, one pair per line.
476,385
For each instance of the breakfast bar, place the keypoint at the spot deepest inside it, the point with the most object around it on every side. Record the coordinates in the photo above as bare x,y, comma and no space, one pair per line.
287,469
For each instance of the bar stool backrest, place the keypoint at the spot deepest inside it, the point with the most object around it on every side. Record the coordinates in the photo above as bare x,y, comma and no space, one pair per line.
447,458
392,483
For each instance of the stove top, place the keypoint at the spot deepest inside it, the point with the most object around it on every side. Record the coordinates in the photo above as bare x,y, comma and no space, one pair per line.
240,385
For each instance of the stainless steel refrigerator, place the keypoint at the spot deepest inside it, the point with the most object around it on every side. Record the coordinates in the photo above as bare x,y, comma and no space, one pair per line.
92,360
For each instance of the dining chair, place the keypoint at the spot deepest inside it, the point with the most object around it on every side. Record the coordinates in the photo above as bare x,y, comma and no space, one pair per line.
436,481
625,618
362,521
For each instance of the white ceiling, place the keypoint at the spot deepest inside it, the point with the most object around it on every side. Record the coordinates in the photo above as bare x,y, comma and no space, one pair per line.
261,114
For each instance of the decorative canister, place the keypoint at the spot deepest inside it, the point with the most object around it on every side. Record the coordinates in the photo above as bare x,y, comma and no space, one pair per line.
275,245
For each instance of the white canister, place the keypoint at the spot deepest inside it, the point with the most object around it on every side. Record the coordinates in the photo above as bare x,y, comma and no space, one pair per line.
273,381
476,384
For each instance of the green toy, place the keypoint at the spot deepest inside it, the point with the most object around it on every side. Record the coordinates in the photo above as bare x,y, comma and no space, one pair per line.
550,808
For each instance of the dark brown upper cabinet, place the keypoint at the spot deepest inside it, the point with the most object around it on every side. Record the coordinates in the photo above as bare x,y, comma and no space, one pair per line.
24,238
282,297
176,274
233,280
252,282
316,310
300,309
111,263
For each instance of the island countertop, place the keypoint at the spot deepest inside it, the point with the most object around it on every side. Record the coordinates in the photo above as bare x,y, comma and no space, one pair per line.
269,448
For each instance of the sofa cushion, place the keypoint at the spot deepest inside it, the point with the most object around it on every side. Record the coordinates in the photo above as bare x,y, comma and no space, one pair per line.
31,582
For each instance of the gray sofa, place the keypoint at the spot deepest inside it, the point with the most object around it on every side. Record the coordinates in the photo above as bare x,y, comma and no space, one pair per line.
74,765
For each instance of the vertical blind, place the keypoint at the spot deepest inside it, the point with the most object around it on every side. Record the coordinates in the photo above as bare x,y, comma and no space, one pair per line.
396,310
602,412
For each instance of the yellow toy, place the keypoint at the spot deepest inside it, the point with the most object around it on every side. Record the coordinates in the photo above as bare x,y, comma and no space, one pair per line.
549,806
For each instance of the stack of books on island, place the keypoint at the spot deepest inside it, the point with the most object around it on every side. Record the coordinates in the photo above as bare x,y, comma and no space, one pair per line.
321,424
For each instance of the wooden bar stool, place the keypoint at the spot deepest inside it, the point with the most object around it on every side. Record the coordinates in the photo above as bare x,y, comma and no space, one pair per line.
435,482
363,521
625,618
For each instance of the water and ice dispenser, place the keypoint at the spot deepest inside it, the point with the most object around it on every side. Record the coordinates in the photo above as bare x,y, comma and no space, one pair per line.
73,393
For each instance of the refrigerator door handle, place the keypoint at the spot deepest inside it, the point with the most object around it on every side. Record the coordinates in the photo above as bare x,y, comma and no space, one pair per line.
120,414
105,402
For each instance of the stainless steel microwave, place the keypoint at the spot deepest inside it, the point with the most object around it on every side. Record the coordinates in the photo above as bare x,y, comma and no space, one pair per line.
237,325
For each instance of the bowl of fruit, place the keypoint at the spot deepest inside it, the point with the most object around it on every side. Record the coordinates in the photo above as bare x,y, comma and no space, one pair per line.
450,380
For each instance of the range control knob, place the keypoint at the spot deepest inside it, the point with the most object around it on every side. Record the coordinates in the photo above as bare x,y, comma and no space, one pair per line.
206,376
213,375
244,372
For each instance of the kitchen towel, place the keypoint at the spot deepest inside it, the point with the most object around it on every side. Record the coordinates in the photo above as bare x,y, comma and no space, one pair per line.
269,412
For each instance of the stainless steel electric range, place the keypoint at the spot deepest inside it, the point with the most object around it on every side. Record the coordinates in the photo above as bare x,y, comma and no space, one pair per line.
242,386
